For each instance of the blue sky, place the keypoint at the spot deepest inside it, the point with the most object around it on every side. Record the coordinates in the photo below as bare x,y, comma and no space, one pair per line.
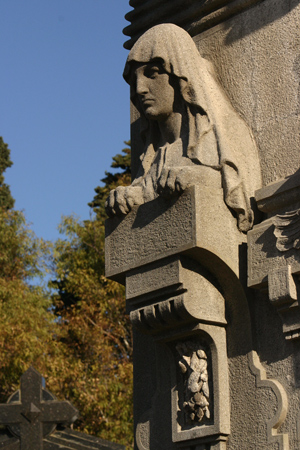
64,109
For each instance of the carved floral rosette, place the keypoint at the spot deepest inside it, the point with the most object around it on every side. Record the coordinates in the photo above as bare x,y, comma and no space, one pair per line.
194,401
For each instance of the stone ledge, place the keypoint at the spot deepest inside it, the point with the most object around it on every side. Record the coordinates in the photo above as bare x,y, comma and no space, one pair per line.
279,195
189,224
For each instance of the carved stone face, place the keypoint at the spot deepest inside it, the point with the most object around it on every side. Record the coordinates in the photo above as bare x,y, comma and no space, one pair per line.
154,91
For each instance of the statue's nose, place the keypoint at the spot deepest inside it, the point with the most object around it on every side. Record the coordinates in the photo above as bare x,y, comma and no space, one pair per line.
141,85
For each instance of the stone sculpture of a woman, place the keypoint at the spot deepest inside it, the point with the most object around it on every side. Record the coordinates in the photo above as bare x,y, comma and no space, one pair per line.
191,133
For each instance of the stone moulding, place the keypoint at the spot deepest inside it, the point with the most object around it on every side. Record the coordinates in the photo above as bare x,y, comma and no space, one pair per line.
279,196
193,16
265,258
273,254
287,230
156,317
174,300
263,382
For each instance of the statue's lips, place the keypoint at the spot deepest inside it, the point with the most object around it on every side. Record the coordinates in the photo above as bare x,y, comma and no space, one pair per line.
147,101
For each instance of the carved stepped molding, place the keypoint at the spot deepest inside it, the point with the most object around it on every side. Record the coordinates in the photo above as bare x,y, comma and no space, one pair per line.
174,303
156,317
194,16
274,422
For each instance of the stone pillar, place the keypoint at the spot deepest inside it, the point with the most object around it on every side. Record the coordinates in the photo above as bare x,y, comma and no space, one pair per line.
170,265
195,374
184,257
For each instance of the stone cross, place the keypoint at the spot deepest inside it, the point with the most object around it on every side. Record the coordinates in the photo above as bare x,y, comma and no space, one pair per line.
27,416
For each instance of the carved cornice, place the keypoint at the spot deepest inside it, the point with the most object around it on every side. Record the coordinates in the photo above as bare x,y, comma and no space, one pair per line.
193,15
174,302
156,317
273,251
287,230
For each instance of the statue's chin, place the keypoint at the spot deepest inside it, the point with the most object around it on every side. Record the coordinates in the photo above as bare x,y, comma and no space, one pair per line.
152,114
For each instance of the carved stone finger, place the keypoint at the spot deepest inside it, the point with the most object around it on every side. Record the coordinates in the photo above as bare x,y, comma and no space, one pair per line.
110,203
162,180
120,201
182,182
170,183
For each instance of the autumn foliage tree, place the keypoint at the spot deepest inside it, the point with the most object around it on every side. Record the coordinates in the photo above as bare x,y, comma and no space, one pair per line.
26,324
95,331
6,199
77,335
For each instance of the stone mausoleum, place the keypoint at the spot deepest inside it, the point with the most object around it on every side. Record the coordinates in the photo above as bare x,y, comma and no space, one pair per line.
206,239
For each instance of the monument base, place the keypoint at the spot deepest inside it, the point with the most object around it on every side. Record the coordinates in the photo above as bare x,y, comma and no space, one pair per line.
198,384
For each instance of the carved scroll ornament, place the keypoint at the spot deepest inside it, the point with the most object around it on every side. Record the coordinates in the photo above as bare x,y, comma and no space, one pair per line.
287,230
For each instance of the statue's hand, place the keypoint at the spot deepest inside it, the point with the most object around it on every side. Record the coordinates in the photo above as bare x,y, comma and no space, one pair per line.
173,180
121,200
116,203
134,196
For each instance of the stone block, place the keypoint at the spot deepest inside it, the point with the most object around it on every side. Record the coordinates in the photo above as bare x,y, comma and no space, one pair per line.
197,224
172,292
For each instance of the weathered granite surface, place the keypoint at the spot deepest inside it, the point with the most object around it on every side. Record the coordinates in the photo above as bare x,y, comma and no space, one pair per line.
194,16
177,241
256,55
165,227
273,257
191,134
216,358
189,299
254,47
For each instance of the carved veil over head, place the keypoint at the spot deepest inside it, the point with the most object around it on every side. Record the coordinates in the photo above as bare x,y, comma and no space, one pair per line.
217,137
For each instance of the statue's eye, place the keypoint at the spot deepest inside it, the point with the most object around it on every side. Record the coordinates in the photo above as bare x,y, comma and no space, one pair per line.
152,72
